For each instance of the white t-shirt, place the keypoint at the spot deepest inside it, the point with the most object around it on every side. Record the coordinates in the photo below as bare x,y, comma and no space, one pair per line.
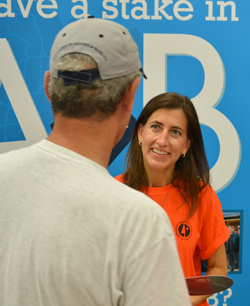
71,235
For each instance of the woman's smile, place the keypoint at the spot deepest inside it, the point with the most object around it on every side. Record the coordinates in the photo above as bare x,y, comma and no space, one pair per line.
159,152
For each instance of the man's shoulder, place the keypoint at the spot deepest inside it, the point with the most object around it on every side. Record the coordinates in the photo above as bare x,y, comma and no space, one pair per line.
134,195
138,202
15,154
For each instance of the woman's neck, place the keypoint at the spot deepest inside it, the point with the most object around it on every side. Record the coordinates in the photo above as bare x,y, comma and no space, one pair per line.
159,179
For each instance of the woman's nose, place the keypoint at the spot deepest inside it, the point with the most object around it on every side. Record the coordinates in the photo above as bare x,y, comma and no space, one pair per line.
163,139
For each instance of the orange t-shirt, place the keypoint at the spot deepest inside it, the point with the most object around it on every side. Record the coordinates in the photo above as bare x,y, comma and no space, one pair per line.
200,236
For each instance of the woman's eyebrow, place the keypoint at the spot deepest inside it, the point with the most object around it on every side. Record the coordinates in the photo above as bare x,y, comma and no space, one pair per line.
177,127
157,122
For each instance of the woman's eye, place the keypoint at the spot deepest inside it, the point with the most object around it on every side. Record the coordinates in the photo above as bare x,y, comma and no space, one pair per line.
155,126
176,132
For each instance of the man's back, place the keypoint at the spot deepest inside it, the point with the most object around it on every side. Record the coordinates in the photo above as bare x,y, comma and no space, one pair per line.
72,235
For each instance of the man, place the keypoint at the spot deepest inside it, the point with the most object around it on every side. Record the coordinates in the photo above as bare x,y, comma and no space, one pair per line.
71,235
232,249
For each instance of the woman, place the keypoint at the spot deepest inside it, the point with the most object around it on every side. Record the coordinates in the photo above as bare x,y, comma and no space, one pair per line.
167,161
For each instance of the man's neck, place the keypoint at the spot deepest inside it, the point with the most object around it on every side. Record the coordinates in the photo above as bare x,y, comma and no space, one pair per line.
94,140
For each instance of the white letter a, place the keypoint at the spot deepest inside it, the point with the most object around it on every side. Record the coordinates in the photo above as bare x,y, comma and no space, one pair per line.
21,101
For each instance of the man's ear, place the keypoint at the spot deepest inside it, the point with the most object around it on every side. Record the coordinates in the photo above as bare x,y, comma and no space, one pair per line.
46,84
129,96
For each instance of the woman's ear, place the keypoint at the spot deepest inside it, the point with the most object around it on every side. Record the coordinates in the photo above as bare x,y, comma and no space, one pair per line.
46,84
187,146
139,132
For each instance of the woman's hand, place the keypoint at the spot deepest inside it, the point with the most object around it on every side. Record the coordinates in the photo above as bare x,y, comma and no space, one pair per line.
216,265
197,299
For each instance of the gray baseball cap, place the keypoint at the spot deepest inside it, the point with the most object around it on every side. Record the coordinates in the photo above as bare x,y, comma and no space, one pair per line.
107,42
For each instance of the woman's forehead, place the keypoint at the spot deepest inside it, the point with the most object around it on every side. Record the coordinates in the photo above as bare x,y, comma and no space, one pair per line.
165,114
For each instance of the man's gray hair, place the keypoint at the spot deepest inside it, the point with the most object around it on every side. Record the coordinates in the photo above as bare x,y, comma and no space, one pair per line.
96,100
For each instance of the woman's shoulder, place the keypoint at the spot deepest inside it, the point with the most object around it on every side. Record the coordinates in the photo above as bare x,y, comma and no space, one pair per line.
206,188
210,200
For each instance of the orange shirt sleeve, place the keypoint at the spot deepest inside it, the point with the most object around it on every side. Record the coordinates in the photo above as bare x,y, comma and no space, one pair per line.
214,232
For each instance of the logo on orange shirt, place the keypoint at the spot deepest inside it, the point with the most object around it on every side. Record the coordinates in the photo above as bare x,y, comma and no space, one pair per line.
184,230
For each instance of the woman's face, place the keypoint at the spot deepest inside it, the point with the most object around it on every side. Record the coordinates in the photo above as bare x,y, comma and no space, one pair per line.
164,139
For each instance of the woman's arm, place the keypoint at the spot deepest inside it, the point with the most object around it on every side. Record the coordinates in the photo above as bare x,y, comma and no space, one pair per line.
216,265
